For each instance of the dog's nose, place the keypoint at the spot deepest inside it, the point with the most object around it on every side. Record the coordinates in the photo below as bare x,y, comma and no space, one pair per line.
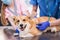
21,25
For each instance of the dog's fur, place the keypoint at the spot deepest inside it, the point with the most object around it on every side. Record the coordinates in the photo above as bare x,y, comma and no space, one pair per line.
26,26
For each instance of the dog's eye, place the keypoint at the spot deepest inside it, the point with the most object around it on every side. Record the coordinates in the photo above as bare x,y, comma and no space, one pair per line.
29,17
13,18
24,20
18,21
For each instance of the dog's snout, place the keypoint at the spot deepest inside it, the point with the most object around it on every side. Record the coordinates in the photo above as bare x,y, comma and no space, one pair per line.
21,25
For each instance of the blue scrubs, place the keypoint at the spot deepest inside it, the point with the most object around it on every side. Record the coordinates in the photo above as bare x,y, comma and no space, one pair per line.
47,7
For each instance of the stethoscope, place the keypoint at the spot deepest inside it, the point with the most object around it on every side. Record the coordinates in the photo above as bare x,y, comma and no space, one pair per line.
49,14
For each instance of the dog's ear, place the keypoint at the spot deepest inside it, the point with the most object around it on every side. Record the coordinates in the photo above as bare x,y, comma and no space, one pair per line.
14,17
29,17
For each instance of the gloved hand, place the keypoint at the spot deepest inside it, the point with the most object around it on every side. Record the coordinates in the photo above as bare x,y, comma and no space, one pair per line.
7,2
16,32
43,26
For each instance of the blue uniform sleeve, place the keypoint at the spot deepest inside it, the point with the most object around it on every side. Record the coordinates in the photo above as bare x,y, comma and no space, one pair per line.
33,2
58,0
59,5
57,15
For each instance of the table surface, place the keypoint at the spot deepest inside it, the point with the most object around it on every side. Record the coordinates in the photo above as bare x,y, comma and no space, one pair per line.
44,36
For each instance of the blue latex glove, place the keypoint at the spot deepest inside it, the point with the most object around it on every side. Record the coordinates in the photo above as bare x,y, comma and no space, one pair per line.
16,31
43,26
7,2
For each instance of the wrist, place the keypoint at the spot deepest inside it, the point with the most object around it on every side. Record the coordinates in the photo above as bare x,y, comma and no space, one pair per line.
51,24
48,23
33,13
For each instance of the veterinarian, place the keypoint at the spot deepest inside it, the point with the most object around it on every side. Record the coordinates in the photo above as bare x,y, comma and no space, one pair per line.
49,8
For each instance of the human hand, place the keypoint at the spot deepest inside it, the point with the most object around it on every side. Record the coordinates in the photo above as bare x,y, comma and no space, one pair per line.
16,32
43,26
33,14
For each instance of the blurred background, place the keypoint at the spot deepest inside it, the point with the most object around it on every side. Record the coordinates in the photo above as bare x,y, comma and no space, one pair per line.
0,12
0,5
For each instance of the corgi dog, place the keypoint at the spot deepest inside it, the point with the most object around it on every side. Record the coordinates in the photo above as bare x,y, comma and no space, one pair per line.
26,26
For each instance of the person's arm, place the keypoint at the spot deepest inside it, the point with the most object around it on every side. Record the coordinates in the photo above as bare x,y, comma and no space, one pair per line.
57,22
3,19
34,4
34,10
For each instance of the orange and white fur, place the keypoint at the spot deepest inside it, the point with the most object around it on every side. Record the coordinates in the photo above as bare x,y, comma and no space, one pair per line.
27,26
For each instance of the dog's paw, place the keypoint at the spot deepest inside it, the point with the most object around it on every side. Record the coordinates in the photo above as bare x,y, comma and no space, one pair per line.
53,29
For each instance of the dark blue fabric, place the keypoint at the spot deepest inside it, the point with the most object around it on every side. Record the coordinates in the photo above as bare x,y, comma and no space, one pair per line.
53,7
